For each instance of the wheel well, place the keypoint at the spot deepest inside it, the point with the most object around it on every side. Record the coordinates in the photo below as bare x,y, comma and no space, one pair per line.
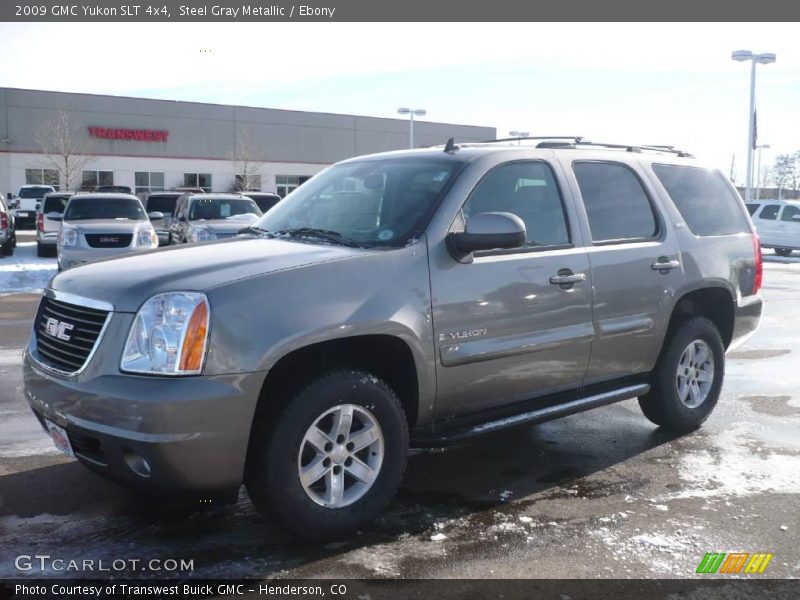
715,304
387,357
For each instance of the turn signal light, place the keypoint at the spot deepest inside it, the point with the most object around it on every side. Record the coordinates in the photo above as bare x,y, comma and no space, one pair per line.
194,344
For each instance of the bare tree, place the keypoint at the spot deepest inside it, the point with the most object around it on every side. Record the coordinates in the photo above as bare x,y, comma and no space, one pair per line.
66,148
247,163
786,172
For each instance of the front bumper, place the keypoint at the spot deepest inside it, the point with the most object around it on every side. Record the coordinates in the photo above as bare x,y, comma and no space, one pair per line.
192,432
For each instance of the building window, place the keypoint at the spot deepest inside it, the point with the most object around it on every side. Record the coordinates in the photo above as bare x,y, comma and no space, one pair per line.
286,184
250,182
201,180
149,181
42,177
90,180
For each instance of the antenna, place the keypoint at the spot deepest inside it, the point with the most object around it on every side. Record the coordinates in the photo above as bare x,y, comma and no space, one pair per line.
450,146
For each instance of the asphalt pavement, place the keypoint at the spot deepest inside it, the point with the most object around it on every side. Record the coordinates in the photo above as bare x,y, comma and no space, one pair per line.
601,494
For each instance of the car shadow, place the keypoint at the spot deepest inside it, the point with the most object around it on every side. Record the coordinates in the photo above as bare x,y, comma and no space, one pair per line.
68,510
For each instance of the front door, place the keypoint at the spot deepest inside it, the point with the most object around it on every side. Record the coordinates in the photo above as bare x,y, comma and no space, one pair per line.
513,325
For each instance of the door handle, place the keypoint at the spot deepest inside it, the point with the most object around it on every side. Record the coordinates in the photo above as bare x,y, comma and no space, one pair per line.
665,265
567,278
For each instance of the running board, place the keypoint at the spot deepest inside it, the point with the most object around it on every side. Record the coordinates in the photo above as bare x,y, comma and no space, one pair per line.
539,415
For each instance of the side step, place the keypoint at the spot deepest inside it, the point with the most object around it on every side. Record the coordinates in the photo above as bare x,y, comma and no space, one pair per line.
539,415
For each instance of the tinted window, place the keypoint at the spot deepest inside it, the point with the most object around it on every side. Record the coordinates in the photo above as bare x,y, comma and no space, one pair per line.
266,202
528,190
163,204
221,208
55,204
791,213
35,192
752,208
616,204
770,212
706,202
375,202
103,208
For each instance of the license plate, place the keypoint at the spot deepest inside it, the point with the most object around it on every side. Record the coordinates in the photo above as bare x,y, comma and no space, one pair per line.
60,438
26,215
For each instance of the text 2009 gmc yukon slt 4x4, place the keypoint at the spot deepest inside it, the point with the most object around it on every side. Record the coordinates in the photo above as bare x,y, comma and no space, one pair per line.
400,299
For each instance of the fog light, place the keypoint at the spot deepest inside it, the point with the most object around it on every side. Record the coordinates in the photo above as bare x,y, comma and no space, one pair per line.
137,463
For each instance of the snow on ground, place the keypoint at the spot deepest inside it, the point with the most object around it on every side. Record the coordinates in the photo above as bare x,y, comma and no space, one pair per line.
25,272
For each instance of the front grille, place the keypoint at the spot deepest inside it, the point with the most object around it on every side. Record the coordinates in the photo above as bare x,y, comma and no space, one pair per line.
80,326
109,240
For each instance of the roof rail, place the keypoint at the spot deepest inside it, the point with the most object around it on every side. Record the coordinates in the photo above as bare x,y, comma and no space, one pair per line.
574,138
571,141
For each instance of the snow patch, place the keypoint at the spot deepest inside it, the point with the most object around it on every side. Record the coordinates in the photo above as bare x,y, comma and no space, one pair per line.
25,272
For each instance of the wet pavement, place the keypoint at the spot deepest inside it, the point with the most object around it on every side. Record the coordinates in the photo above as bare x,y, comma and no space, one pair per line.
600,494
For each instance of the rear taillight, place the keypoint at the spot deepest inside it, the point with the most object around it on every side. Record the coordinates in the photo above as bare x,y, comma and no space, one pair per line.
40,222
3,221
759,275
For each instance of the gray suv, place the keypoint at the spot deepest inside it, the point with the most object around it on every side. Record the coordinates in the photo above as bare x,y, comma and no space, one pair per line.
414,298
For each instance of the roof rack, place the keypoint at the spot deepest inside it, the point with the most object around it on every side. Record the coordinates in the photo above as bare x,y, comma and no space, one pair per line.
572,141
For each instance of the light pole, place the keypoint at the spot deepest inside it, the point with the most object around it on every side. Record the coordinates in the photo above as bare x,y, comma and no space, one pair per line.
518,135
763,59
758,172
411,112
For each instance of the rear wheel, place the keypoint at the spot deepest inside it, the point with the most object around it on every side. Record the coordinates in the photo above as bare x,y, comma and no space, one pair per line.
783,251
7,249
333,459
688,378
41,250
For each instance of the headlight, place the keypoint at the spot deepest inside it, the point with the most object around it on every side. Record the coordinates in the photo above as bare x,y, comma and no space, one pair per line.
200,234
168,335
147,238
67,237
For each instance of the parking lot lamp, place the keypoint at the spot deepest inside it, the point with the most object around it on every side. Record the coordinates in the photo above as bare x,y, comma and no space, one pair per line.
759,176
518,135
411,112
763,59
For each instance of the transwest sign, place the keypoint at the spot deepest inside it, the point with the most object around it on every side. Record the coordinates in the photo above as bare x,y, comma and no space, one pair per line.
128,135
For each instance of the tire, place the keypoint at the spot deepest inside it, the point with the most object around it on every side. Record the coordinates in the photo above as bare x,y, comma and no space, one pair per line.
7,248
783,251
41,251
677,407
280,449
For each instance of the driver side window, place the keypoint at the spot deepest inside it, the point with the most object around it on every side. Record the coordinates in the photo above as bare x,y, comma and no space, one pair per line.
528,190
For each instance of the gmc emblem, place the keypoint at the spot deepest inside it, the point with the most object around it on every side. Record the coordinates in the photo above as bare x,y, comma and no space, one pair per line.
58,329
109,240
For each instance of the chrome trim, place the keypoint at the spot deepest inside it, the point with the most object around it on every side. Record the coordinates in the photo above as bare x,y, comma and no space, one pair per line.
53,370
79,300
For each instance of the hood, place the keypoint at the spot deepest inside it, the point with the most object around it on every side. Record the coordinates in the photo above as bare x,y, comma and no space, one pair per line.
225,226
127,281
106,225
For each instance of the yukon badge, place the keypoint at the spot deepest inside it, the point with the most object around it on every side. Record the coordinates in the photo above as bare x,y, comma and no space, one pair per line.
461,335
58,329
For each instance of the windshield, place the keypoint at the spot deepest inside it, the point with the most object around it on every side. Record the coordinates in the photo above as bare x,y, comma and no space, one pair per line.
37,192
55,204
80,209
209,209
162,204
376,202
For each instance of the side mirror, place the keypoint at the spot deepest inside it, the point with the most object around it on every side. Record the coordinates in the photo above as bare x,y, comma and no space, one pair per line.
54,216
38,205
155,215
487,231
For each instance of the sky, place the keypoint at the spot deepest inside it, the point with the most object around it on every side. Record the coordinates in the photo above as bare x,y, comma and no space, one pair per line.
633,83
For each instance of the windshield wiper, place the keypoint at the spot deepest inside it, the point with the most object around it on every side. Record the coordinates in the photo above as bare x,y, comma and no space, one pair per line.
254,229
324,234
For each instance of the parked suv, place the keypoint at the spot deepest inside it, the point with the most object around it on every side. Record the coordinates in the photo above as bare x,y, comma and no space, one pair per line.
203,217
47,228
778,224
413,298
8,232
265,200
26,202
97,225
165,203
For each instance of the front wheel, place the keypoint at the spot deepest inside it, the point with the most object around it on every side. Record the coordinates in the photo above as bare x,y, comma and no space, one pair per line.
783,251
333,459
687,380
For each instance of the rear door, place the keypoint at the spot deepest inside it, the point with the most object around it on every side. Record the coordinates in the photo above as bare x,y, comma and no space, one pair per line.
788,226
766,222
635,263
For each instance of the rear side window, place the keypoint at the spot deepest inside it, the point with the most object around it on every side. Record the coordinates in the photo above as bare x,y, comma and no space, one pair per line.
162,204
616,203
55,204
791,213
706,202
752,208
770,212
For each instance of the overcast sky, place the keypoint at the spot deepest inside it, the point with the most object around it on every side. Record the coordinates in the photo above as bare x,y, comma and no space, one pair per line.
628,83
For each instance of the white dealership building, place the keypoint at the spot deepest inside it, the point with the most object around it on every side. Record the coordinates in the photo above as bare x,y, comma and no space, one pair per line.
152,145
